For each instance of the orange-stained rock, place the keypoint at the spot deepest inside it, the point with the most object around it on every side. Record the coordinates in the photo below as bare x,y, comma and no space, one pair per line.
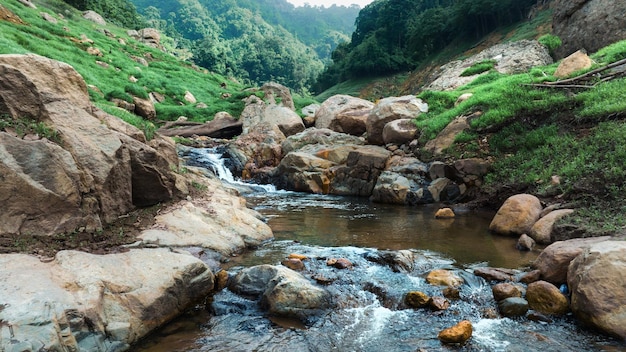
221,280
293,264
443,277
459,333
444,213
416,299
546,298
517,215
575,62
297,256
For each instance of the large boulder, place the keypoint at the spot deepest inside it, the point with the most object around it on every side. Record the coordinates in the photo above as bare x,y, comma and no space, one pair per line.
546,298
150,36
219,221
94,17
275,93
542,230
82,302
258,112
555,259
281,290
575,62
517,215
597,281
510,57
399,132
343,113
96,167
390,109
359,174
258,152
588,24
323,136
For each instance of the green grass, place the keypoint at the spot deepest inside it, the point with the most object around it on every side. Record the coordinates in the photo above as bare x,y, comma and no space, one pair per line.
351,87
479,67
165,73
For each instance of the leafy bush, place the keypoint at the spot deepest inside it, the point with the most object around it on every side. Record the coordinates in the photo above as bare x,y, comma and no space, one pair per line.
550,41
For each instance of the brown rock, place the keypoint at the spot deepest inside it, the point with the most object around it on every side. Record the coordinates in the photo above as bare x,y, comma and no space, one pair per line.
525,243
451,293
439,303
444,213
390,109
530,277
575,62
443,277
416,299
459,333
506,290
343,113
293,264
495,274
554,259
297,256
144,108
399,132
546,298
542,229
597,281
517,215
221,280
446,137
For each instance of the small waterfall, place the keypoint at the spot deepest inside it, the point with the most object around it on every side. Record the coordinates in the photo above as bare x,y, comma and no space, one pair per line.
213,160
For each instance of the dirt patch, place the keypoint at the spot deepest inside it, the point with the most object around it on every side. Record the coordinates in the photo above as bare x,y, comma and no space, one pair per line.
7,15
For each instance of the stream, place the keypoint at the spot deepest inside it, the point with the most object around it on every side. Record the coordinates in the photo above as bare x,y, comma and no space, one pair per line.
368,314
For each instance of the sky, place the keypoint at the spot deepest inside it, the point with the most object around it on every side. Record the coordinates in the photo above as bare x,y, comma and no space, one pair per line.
328,3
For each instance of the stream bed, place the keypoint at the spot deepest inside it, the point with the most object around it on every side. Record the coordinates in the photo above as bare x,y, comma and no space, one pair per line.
368,312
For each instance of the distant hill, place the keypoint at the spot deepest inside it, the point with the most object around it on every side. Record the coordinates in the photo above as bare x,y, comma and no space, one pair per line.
258,40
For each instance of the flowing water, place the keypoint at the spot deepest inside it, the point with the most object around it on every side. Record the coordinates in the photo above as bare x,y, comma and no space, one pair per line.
368,314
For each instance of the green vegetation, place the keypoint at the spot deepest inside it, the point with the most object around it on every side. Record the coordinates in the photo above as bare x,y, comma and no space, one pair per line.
25,126
534,133
479,67
399,35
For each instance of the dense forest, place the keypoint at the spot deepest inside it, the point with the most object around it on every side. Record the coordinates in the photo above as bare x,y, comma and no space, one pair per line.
310,48
397,35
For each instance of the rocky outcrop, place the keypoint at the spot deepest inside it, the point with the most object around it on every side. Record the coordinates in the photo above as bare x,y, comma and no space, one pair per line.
344,114
517,215
94,17
219,221
512,57
277,94
390,109
99,172
257,112
281,290
86,302
150,37
597,280
554,260
588,24
542,229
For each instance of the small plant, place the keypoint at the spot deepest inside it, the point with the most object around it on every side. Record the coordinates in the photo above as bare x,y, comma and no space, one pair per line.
479,67
550,41
199,186
24,126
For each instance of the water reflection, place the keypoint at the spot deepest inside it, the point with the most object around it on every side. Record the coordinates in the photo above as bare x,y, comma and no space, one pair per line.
339,221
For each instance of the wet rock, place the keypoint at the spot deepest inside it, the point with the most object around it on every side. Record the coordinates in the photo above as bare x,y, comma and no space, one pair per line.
503,291
443,277
451,293
221,280
542,230
297,256
513,307
444,213
339,263
538,317
495,274
439,303
293,264
416,299
531,276
344,114
398,261
555,259
597,281
459,333
517,215
525,243
390,109
546,298
360,173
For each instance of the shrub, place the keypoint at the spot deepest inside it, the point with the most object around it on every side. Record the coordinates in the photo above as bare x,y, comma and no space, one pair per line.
479,67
